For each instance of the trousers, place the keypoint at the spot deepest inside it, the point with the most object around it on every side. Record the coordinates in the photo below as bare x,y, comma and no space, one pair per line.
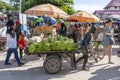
9,52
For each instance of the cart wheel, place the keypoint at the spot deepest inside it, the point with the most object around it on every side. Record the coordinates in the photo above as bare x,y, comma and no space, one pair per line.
52,64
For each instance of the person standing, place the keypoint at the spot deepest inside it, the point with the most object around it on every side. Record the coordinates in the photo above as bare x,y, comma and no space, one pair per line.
108,30
75,33
11,43
87,26
18,33
80,33
63,29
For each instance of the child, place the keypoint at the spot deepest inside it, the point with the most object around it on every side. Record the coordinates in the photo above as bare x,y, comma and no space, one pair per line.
21,44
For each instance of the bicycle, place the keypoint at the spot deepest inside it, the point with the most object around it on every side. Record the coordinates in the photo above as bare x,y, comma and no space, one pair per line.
97,50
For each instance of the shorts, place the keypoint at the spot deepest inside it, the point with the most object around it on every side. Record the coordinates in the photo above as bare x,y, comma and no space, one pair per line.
84,50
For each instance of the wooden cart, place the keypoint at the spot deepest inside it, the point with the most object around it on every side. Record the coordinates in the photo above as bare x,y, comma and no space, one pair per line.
53,61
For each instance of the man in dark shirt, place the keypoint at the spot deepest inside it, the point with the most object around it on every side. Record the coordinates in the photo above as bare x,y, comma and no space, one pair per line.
63,29
84,47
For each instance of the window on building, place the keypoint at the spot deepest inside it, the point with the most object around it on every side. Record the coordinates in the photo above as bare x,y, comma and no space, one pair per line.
115,7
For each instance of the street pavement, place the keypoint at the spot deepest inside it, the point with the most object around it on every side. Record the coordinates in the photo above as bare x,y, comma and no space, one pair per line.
33,69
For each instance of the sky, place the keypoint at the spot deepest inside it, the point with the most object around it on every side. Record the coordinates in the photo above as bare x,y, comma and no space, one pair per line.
88,5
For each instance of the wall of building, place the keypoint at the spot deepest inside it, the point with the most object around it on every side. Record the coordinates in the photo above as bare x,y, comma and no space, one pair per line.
113,8
109,11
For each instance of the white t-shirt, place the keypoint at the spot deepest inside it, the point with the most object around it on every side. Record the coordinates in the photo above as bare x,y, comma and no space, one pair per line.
11,42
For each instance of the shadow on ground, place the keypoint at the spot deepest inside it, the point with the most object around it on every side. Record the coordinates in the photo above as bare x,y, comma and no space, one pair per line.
112,73
36,73
28,58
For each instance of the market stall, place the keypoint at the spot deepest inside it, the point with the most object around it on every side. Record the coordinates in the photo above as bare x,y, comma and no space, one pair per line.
2,37
3,16
83,16
46,11
55,48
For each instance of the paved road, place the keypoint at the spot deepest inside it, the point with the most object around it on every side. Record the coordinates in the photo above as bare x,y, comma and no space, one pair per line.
33,70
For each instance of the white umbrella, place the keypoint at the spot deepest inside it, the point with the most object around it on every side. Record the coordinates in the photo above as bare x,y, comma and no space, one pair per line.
47,10
32,16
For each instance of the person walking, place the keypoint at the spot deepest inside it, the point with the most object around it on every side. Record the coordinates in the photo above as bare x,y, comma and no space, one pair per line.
84,47
11,43
107,38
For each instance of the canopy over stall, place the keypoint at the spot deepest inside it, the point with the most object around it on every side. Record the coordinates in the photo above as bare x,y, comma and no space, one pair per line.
47,10
83,16
2,16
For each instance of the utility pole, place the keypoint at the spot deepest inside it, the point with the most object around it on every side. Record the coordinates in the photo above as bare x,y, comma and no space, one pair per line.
20,5
20,15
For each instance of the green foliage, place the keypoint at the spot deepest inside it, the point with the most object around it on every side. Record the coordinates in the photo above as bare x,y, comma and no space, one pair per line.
38,47
63,4
53,44
15,0
46,47
15,3
5,6
57,46
71,46
32,47
68,9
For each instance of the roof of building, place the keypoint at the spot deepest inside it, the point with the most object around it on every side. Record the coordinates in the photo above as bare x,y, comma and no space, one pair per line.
113,3
99,11
109,12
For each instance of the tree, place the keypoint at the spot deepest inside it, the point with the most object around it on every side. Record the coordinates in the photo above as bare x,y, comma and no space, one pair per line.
4,7
15,3
65,5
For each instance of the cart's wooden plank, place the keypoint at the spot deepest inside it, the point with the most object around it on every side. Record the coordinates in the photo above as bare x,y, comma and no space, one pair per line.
56,52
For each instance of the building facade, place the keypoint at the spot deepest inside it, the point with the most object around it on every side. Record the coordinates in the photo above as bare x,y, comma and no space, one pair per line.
112,8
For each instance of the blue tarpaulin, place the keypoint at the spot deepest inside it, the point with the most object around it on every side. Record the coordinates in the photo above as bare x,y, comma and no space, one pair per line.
52,20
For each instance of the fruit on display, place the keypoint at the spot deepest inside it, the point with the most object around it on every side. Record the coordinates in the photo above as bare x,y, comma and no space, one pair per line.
32,47
57,46
52,39
38,47
44,29
46,46
58,43
71,46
